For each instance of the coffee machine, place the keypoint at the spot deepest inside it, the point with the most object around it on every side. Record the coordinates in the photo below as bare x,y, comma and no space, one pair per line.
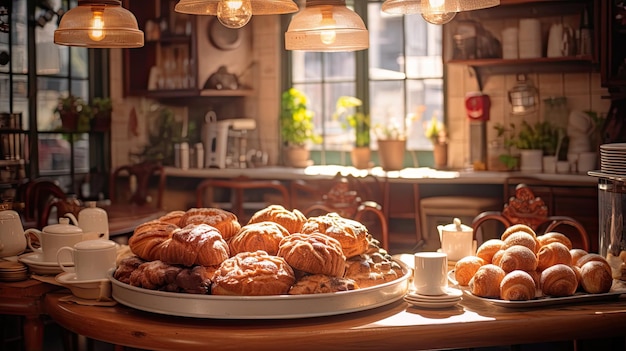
225,141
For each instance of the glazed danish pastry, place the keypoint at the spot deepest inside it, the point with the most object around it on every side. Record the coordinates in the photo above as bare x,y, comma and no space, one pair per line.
291,220
224,221
314,253
352,235
252,237
196,244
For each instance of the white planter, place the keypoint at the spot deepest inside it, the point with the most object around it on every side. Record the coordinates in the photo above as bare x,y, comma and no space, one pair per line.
531,160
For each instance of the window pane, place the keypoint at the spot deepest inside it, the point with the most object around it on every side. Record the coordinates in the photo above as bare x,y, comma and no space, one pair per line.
19,37
48,92
339,66
386,41
306,66
20,97
425,100
386,104
423,48
47,52
55,153
80,64
80,88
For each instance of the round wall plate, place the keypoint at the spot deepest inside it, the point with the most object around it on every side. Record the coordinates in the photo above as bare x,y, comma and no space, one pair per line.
222,37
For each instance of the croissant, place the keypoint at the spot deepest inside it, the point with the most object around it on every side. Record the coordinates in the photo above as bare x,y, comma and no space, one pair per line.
291,220
518,228
593,257
487,249
551,237
148,238
225,222
198,244
252,237
352,235
595,277
518,257
559,280
486,281
551,254
465,268
523,239
576,255
517,286
313,253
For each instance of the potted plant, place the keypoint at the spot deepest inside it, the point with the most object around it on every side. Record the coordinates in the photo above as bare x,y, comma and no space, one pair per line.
348,110
536,141
296,128
435,130
391,140
503,148
70,109
101,109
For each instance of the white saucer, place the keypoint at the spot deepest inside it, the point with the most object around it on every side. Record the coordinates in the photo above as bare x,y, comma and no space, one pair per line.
96,289
37,259
431,304
450,295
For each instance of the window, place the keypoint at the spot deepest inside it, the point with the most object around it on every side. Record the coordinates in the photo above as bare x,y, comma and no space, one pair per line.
402,82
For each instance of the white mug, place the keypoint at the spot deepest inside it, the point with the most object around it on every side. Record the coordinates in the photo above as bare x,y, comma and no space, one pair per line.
53,237
92,258
430,276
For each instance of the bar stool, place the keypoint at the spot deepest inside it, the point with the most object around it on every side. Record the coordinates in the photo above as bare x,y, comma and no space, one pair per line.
439,210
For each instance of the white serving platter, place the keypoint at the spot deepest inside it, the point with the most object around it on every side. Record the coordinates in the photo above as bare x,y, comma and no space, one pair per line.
260,307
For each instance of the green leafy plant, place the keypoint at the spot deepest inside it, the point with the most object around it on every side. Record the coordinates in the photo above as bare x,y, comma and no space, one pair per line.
598,120
348,111
296,120
101,107
541,136
505,133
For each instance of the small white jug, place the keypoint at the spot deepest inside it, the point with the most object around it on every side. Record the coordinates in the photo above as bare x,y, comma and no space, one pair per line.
457,240
12,239
93,221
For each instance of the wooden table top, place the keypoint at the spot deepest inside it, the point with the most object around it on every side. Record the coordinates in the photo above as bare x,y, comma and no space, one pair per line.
397,326
123,218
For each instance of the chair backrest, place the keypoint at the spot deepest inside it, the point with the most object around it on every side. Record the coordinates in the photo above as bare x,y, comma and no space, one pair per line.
132,183
526,208
241,195
37,194
350,197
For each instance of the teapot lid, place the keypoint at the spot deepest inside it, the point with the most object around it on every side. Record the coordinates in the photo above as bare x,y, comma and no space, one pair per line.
63,227
457,226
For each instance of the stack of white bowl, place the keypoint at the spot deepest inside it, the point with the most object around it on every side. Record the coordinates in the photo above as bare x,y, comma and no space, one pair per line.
509,43
529,42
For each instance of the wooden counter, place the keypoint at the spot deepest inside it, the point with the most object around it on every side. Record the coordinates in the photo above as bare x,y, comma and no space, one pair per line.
397,326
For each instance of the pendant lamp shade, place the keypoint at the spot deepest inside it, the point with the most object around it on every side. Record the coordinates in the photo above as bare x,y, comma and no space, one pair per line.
406,7
258,7
326,26
99,24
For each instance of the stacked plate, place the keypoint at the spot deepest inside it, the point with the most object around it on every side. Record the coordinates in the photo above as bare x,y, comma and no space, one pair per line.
11,271
449,299
613,158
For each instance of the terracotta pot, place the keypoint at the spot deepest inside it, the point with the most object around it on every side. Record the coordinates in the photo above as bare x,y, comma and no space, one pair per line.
440,155
391,154
360,157
295,156
69,121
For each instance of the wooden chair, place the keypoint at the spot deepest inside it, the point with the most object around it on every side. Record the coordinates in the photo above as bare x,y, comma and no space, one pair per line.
526,208
132,183
344,198
230,194
38,195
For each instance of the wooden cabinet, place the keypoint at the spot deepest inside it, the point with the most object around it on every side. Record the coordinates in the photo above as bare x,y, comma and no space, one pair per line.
492,21
612,48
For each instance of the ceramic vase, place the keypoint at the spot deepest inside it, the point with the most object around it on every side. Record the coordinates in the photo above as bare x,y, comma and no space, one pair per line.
360,157
391,154
440,155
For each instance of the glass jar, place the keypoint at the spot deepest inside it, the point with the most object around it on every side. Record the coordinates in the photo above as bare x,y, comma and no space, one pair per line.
612,238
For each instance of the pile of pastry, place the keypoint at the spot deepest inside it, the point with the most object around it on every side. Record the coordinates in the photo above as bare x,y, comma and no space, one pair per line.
522,266
278,251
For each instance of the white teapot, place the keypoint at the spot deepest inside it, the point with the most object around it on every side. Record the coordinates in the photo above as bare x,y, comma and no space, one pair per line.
457,240
93,221
12,239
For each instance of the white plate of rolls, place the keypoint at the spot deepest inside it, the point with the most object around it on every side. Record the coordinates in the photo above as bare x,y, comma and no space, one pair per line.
203,263
522,269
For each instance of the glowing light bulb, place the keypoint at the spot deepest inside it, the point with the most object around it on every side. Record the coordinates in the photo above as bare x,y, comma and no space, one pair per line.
328,35
234,13
438,18
97,32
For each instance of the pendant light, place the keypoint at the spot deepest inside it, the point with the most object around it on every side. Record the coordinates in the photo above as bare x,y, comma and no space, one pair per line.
235,13
326,25
435,11
99,24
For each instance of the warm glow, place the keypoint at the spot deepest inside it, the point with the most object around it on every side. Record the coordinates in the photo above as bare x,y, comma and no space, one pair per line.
328,36
234,13
434,4
97,26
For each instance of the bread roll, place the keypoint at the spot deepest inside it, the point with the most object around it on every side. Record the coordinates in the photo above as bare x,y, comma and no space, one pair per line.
196,244
487,249
551,237
517,286
595,277
518,257
253,274
265,236
486,281
551,254
465,268
517,228
352,235
225,222
593,257
314,253
558,281
576,255
523,239
291,220
497,257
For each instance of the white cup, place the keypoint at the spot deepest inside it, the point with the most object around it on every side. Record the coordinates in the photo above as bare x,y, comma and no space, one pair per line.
50,243
92,258
430,276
